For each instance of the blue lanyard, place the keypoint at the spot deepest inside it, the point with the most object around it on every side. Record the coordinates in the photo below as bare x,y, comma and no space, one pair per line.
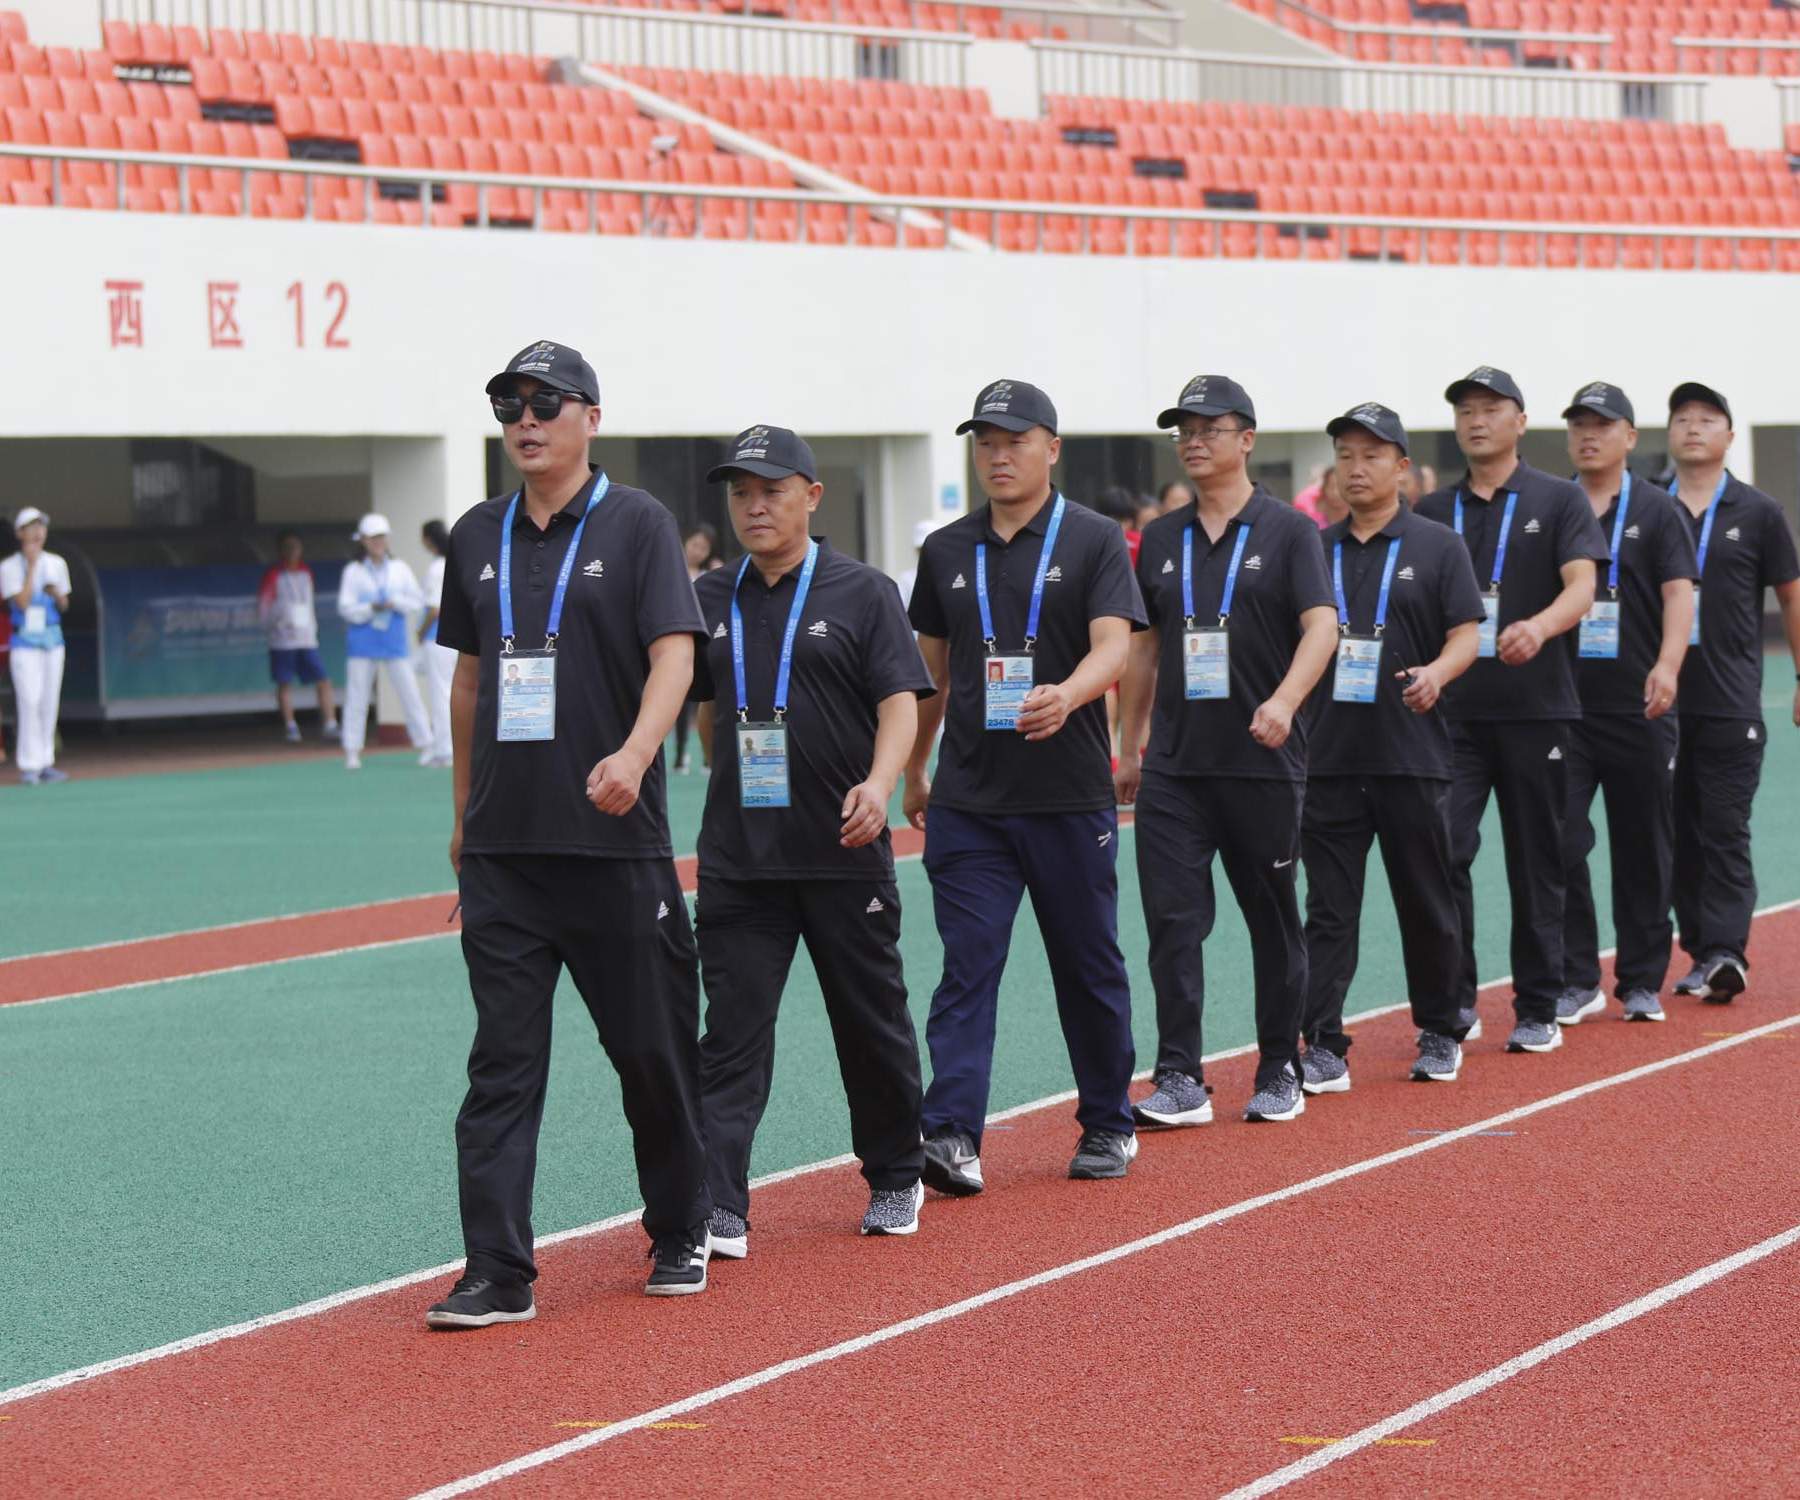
1706,526
786,670
1612,573
1512,501
1037,584
1231,573
1381,600
562,578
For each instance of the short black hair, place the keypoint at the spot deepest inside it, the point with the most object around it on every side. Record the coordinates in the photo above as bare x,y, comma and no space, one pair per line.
701,528
438,534
1116,503
1162,495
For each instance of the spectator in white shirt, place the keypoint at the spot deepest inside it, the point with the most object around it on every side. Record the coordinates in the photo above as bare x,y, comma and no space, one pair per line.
36,586
440,661
376,595
289,608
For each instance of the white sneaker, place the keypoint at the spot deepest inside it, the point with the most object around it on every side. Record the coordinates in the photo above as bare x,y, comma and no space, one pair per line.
352,761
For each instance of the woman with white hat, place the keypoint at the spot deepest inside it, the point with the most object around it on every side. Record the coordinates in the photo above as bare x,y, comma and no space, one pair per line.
36,586
375,596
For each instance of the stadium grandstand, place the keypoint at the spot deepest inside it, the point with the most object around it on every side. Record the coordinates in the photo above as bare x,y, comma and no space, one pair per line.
214,198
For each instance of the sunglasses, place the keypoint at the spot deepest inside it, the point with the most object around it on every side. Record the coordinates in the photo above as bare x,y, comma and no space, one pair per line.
546,406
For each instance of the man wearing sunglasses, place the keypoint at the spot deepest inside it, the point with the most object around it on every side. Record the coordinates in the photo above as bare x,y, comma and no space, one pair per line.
570,606
1241,627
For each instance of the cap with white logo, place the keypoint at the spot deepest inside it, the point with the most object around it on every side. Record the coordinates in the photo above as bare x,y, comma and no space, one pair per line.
1210,396
1486,378
1012,405
1603,400
555,365
768,453
1373,418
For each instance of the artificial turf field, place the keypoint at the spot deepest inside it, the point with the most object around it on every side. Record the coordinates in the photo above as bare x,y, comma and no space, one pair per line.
188,1154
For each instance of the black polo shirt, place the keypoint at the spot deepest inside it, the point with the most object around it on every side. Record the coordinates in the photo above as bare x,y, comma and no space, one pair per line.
1654,549
1553,524
1000,771
1281,575
629,586
1433,592
1751,550
853,648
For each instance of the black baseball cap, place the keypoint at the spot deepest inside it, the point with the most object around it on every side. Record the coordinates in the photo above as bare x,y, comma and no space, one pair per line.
1607,400
1486,378
768,453
1692,390
1375,419
1210,396
1011,404
556,365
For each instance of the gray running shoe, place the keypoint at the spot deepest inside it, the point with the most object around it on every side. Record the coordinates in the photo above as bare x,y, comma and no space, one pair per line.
1642,1005
891,1211
1469,1020
1535,1036
1724,974
952,1164
1277,1097
1693,982
1178,1100
730,1234
1573,1006
1440,1059
1102,1154
1322,1071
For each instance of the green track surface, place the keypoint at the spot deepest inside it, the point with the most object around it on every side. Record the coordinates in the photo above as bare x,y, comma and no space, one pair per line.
191,1154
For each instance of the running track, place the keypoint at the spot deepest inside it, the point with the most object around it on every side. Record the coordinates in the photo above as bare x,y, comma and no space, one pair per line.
1246,1293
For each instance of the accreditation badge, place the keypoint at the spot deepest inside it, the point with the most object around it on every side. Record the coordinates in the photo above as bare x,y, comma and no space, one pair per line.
1008,685
1206,664
37,619
527,697
1694,632
1358,664
1489,634
1599,636
762,765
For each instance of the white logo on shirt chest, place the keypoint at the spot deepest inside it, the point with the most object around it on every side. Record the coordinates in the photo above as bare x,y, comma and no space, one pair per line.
595,569
719,634
818,629
1054,575
1253,563
1405,575
1168,565
959,584
1732,535
1532,527
486,573
1631,533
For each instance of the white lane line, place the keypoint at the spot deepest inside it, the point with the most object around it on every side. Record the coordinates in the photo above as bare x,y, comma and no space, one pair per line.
862,1342
1517,1365
336,1300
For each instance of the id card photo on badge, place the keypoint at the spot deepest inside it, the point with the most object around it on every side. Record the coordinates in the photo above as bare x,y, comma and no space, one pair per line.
1358,663
1009,680
1205,664
1488,637
527,697
37,619
762,765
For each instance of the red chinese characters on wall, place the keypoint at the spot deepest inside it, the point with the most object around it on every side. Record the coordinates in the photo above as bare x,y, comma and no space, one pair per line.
228,325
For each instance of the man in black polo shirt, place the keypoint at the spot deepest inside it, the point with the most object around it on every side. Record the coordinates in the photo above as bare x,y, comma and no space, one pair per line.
1024,610
1534,543
561,845
1241,628
811,659
1379,752
1630,648
1744,547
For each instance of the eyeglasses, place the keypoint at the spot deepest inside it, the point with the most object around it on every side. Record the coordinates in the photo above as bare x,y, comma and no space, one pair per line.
546,406
1182,436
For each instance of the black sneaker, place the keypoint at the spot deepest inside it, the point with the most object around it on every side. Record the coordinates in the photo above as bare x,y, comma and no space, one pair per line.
1724,979
952,1164
678,1263
1102,1154
477,1301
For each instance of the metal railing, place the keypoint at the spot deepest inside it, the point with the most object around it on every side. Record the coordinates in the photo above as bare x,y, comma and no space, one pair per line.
1186,75
1561,46
677,210
1767,54
545,26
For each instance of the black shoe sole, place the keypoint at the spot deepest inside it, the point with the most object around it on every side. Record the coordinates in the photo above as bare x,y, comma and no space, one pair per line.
1726,989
